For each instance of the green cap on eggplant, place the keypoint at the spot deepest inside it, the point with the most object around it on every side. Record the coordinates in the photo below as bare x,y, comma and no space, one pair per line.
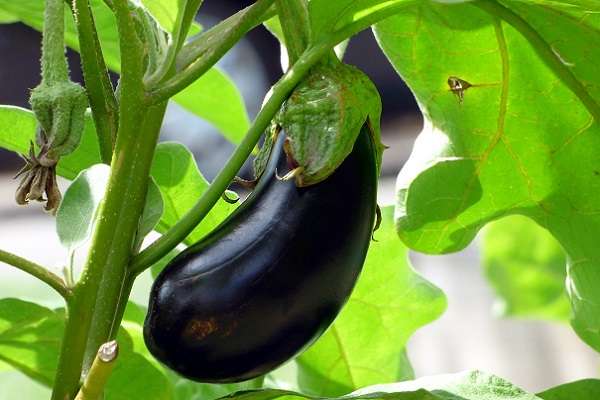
322,119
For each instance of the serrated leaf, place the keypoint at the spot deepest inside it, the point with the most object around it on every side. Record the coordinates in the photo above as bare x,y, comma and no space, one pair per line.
79,206
579,390
227,111
523,139
527,268
181,183
366,343
152,213
473,385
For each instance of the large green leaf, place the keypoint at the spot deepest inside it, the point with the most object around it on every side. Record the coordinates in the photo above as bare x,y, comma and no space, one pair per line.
30,337
365,344
226,111
580,390
524,140
181,184
527,268
463,386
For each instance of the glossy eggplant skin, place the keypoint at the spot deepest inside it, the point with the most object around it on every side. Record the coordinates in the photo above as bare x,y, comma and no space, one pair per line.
271,278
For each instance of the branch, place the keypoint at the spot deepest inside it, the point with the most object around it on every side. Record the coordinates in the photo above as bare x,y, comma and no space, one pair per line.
37,271
182,229
54,62
97,81
183,22
106,267
293,17
100,371
202,53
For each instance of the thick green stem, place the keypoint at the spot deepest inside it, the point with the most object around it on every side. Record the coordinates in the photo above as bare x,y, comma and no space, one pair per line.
211,54
54,62
189,221
106,267
293,16
97,81
37,271
115,287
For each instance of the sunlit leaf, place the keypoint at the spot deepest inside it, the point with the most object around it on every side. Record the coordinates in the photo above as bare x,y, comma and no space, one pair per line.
579,390
463,386
181,184
511,111
527,268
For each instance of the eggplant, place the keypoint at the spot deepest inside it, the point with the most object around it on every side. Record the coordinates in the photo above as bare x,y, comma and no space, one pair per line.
271,278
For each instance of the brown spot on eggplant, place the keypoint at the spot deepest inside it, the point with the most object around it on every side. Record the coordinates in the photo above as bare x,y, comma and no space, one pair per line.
271,278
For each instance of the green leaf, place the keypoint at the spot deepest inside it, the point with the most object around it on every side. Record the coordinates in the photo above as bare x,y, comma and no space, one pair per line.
227,111
77,211
152,213
7,18
181,183
463,386
30,338
527,268
366,342
164,11
17,131
579,390
328,17
134,377
522,141
189,390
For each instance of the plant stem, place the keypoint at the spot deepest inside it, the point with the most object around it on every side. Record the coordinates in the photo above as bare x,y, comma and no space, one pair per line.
293,17
97,81
545,51
115,287
54,62
185,18
211,54
37,271
182,229
100,285
100,371
205,41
